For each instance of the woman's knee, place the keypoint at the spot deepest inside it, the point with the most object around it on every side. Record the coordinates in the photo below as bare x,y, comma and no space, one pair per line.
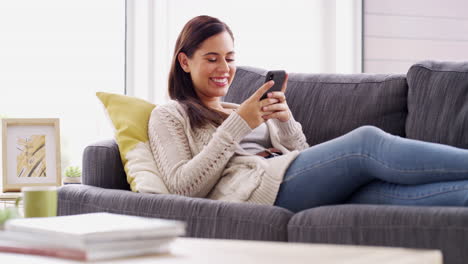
367,132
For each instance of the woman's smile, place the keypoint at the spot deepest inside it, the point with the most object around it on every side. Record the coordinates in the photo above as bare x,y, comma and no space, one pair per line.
220,81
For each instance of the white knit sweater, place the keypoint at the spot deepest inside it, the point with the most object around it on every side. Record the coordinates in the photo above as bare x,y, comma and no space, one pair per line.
209,162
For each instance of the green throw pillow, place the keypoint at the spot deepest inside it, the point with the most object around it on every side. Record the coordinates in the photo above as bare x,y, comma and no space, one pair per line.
129,116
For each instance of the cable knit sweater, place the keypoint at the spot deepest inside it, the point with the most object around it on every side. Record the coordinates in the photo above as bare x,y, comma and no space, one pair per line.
209,162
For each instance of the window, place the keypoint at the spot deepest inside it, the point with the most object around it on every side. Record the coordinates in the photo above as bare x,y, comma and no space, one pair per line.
54,56
321,36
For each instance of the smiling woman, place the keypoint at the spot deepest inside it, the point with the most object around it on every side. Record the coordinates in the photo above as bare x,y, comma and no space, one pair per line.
211,72
202,69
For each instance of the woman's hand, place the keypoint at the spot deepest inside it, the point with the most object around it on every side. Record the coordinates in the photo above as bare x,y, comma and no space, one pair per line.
278,110
251,109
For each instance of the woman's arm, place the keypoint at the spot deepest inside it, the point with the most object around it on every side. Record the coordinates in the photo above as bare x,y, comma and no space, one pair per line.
184,173
291,135
290,131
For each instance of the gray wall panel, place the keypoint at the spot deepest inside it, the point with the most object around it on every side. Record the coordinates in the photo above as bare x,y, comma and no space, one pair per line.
399,33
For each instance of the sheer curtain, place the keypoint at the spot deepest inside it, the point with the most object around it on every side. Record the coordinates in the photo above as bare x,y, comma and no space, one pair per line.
315,36
54,56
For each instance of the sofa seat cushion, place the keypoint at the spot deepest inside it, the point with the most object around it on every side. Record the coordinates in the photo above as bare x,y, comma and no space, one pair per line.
204,218
437,103
330,105
444,228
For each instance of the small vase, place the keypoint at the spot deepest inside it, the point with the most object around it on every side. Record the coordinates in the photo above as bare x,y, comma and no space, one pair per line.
71,180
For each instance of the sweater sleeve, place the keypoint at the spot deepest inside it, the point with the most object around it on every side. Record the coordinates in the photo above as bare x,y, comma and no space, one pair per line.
291,135
185,173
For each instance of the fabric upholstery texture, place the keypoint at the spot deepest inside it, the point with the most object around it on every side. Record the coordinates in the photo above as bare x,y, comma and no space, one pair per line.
330,105
102,166
130,116
442,228
437,102
204,218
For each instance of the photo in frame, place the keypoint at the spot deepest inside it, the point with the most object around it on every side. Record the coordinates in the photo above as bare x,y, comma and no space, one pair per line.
30,153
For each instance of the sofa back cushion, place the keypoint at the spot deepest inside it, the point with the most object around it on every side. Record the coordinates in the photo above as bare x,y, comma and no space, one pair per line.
437,102
129,116
330,105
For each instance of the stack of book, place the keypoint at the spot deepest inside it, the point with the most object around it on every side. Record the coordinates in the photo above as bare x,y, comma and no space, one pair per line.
93,236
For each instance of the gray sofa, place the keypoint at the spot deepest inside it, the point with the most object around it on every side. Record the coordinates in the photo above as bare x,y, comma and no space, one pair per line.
421,104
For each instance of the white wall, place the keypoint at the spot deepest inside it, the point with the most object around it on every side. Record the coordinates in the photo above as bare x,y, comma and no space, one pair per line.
398,33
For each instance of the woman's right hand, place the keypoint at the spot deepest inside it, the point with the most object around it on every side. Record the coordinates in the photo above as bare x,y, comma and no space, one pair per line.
251,109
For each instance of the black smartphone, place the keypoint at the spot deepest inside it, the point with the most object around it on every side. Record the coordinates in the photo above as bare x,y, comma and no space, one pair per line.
278,77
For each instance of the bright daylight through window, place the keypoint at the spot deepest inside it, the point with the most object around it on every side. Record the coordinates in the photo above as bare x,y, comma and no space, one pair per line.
321,36
54,56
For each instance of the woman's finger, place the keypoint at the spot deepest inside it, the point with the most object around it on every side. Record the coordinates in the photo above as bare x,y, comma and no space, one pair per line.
275,107
278,95
285,84
262,90
269,101
282,116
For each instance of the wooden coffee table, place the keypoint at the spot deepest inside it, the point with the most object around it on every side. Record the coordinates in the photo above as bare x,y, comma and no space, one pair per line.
218,251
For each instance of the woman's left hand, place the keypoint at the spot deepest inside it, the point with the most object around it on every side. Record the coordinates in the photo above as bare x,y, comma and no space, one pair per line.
281,109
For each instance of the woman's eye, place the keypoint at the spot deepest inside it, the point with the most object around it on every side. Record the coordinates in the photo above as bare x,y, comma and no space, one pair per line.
215,60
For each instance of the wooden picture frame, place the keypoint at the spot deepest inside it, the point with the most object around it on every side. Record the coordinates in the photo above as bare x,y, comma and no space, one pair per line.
30,153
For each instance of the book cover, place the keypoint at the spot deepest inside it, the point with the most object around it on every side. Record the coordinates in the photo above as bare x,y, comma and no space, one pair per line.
156,247
92,236
31,240
20,248
97,227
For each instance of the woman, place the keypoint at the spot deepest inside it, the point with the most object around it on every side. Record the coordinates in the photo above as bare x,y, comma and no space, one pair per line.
256,152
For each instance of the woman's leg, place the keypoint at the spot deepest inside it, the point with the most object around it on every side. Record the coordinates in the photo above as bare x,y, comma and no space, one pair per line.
330,172
449,193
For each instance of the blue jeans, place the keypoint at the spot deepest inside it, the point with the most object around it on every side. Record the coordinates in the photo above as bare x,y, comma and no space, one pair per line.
368,165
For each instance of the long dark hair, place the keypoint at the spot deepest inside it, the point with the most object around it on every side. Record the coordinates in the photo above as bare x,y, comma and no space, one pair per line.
181,88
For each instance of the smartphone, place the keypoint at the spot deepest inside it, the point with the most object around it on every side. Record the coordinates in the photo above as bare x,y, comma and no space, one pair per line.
278,77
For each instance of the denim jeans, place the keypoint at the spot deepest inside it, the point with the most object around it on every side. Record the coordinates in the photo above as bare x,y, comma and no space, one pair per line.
368,165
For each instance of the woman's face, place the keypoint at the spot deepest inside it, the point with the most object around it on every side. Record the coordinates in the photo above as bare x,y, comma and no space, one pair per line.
211,67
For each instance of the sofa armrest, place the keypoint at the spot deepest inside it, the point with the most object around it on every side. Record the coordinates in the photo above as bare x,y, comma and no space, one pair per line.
102,166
